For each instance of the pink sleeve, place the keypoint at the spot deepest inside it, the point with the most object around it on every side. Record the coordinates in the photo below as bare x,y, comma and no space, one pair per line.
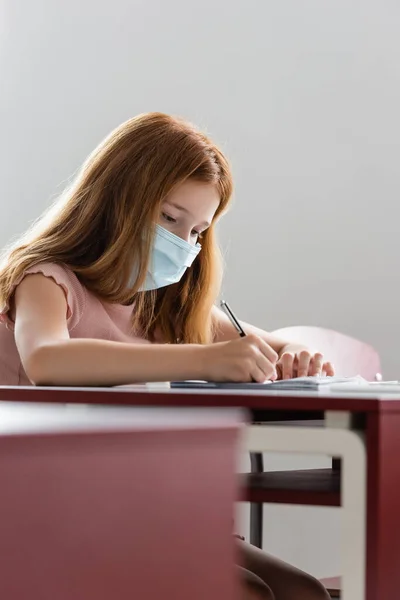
75,294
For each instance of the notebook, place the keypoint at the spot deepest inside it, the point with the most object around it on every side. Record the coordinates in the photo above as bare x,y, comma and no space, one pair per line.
297,384
314,384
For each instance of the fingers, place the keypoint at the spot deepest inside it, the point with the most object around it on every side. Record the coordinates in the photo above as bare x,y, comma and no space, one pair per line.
328,369
258,375
264,360
303,367
304,364
264,348
316,364
264,365
286,365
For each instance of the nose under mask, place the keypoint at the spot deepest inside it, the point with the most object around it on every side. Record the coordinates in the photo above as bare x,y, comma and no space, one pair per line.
170,257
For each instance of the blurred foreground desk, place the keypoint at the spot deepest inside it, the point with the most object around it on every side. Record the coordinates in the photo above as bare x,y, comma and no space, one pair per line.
112,503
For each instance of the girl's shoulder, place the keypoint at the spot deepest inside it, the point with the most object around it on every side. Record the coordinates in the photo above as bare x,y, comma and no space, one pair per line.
75,293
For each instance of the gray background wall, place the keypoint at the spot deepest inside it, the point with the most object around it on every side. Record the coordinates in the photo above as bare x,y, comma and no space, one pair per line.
303,96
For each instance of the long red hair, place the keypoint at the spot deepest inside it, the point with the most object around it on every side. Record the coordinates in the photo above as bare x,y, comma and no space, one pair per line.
102,227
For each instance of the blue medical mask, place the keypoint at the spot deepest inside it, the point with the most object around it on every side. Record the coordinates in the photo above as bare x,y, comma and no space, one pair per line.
170,258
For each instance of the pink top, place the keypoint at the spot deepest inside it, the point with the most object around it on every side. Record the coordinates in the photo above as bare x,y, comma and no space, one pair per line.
87,317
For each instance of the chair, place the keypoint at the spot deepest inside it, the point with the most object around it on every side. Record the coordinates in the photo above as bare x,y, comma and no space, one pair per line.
350,357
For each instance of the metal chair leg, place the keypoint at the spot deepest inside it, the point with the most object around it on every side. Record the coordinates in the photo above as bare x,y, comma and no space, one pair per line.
256,510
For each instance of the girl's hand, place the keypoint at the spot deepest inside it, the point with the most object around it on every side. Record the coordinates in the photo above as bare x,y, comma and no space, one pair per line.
302,363
241,360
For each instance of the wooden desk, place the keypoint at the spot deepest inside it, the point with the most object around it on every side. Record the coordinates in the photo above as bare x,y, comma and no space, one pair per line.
102,503
364,430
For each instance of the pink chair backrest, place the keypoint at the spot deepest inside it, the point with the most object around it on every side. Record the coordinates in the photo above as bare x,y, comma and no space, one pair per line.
349,356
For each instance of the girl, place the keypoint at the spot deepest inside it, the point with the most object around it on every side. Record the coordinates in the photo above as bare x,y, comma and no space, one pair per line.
117,282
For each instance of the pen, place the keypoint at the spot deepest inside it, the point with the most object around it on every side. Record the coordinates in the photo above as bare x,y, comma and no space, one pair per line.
227,310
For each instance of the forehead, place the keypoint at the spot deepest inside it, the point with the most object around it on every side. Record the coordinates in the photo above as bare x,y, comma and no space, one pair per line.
196,197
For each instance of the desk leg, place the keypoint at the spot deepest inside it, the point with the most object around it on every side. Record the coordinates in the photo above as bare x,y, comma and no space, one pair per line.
383,506
350,447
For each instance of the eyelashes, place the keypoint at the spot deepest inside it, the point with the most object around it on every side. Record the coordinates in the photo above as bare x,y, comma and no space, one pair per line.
169,219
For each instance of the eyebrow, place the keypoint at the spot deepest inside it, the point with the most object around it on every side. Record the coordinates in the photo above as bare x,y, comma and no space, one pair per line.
187,212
